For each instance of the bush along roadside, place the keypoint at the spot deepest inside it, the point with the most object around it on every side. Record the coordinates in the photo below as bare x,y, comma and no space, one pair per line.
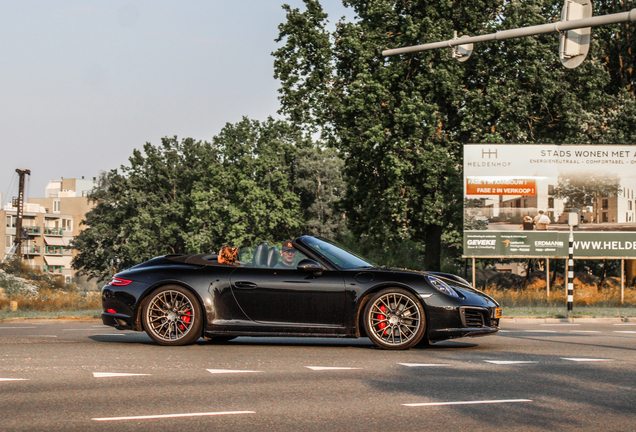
34,290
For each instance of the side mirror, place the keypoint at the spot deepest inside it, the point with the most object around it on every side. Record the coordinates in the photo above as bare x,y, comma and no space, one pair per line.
309,265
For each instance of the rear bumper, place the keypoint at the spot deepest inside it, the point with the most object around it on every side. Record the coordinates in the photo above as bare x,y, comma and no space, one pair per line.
119,321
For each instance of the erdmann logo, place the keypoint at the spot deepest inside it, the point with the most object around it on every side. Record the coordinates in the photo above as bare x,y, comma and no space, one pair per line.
543,243
482,242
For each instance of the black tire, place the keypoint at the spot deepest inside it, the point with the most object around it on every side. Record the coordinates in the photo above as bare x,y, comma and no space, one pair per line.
172,316
394,319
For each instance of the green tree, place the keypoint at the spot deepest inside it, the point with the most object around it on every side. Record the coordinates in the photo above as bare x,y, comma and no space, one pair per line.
519,92
143,211
393,120
254,197
255,181
320,183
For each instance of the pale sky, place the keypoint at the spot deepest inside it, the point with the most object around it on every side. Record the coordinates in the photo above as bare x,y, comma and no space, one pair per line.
84,82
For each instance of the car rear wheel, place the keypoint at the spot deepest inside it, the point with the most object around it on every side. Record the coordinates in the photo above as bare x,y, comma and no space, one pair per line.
172,316
394,319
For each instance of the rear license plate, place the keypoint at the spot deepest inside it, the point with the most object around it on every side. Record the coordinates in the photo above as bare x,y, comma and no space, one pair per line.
498,313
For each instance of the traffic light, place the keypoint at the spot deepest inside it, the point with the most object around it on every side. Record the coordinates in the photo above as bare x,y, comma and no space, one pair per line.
574,44
462,52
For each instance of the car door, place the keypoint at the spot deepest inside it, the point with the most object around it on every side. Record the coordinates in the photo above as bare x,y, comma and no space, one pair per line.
290,296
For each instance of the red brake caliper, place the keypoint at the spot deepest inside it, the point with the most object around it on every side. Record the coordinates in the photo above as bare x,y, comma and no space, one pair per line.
186,318
381,317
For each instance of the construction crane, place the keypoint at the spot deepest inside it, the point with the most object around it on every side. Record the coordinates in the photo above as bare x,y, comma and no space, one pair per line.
18,202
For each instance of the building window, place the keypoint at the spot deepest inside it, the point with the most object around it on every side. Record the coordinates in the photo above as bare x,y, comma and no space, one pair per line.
9,241
605,218
605,205
550,202
629,205
550,189
56,206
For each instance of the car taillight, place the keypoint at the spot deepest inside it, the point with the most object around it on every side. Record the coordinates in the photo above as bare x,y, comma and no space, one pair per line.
119,282
111,311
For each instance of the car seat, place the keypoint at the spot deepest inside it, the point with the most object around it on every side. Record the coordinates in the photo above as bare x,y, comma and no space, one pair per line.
272,257
260,255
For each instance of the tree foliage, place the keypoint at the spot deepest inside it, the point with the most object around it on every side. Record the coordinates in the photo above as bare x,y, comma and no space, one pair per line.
255,181
399,123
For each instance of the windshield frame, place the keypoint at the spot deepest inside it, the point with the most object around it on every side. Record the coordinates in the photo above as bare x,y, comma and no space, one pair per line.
354,260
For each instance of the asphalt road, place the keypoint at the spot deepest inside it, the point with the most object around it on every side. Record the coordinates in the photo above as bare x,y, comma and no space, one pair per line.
71,376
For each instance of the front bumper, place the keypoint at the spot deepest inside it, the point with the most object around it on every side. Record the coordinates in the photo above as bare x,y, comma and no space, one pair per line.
453,333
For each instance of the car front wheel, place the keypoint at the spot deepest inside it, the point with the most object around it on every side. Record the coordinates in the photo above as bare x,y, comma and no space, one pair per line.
394,319
172,316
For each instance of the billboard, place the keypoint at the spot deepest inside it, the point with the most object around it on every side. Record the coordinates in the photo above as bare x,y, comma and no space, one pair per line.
517,199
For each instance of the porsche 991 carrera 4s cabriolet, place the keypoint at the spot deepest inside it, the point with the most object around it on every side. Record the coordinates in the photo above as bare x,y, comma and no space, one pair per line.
308,287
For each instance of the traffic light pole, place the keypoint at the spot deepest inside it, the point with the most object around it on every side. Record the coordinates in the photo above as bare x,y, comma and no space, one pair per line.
561,26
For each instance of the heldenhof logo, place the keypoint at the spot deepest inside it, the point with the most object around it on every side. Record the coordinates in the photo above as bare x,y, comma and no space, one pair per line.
544,243
488,153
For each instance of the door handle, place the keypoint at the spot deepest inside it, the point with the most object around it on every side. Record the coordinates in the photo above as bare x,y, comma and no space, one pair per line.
245,285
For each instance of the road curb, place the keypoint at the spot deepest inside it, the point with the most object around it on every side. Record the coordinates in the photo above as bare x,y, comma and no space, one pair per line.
534,320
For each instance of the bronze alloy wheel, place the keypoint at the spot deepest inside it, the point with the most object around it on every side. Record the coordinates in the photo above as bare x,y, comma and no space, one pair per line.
394,319
172,316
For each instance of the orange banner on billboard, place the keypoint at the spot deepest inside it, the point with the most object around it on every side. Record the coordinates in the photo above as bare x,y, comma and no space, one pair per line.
490,186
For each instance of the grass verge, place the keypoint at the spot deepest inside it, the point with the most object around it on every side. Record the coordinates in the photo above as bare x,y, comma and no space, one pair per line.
561,312
82,313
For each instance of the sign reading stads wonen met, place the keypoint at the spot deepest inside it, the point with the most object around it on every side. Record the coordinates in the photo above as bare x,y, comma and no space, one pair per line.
517,199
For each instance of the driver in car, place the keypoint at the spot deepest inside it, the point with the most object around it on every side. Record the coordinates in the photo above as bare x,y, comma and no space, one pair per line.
288,256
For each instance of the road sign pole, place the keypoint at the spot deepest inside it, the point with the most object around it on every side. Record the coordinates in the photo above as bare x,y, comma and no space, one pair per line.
571,271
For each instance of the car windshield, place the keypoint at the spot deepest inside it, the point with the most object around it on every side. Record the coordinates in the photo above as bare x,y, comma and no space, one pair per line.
338,255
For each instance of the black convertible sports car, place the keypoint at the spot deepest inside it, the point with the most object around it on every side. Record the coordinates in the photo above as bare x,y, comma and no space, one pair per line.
312,288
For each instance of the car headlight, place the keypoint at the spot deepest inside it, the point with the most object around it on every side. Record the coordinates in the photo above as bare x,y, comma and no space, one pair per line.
442,286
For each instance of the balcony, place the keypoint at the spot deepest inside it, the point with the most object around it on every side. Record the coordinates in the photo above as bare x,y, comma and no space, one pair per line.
33,250
33,230
53,269
53,250
53,231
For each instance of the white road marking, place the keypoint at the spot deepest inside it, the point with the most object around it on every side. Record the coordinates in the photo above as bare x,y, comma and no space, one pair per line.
41,336
560,324
115,374
173,415
542,331
624,331
423,364
467,402
584,331
3,327
229,371
13,379
324,368
625,324
585,359
508,362
504,331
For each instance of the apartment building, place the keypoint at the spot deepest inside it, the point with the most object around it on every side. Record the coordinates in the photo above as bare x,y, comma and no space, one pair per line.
50,225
